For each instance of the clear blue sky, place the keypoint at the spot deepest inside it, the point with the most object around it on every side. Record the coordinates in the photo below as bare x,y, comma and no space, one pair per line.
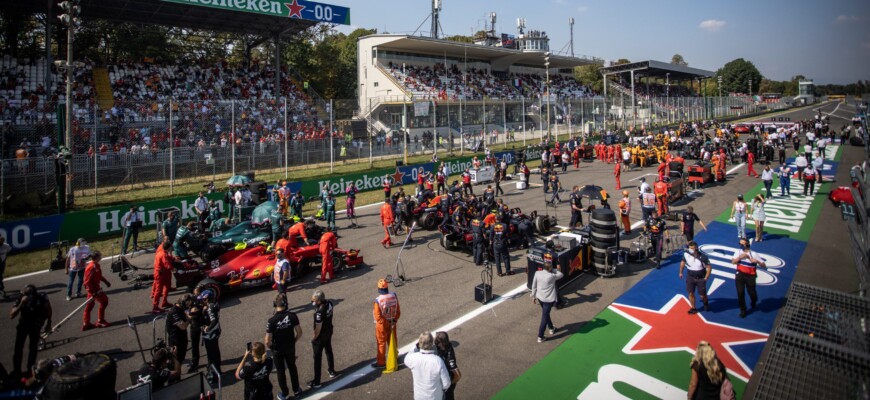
828,41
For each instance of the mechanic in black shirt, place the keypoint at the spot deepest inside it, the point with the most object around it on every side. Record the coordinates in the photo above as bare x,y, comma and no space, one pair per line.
687,223
176,326
197,319
656,227
282,333
576,207
163,369
254,369
35,310
322,339
211,333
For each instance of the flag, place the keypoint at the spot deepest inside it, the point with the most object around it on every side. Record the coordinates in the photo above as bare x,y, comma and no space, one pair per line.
392,354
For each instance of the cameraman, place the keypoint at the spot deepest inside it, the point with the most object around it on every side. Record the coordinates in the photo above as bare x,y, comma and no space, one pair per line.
164,368
35,310
176,326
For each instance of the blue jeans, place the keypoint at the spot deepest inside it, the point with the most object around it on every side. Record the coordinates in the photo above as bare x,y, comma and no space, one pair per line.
740,219
546,322
72,278
767,185
784,186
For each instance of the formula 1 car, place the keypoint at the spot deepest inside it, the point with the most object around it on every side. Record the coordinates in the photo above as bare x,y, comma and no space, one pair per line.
243,232
453,236
253,266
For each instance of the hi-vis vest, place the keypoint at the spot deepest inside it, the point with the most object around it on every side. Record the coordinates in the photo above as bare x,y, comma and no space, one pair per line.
747,267
276,272
389,305
649,200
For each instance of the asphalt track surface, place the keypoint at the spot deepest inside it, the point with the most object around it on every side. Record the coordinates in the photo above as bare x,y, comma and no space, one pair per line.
493,345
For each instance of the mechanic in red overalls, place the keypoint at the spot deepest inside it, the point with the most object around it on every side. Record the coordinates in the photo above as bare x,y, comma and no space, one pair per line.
162,277
386,314
93,277
617,172
328,243
298,229
387,219
661,191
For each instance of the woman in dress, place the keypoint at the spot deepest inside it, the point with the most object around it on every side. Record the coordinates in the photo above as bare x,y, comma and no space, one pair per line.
758,216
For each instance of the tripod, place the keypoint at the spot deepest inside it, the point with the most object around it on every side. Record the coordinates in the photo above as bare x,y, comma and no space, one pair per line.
399,280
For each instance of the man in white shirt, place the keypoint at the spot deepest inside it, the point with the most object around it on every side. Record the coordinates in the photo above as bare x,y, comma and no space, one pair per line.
201,207
131,222
801,163
821,143
431,377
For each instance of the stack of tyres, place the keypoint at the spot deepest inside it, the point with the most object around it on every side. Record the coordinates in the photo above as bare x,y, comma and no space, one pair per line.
604,236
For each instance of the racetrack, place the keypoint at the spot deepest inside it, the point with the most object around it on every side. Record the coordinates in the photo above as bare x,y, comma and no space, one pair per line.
493,347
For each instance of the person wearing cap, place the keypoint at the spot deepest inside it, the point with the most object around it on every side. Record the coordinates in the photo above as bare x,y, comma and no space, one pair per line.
624,210
163,262
739,210
386,314
131,222
211,333
328,243
698,270
321,340
75,267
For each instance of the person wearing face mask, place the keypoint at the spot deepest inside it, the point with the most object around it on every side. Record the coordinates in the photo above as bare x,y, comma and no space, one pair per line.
747,262
698,270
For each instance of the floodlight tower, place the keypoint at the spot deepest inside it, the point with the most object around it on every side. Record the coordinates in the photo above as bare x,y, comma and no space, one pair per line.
571,25
436,23
521,25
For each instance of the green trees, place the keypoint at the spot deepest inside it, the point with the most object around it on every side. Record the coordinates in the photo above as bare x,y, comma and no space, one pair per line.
737,75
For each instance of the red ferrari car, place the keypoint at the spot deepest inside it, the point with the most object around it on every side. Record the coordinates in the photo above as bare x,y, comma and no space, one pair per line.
742,129
253,266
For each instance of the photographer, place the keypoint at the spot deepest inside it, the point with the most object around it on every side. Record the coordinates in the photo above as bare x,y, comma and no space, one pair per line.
254,369
35,311
163,369
176,326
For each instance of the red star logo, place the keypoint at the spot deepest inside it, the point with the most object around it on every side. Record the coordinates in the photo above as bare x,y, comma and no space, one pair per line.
295,9
673,329
397,177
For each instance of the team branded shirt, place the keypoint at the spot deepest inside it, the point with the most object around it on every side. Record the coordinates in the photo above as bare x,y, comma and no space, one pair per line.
282,326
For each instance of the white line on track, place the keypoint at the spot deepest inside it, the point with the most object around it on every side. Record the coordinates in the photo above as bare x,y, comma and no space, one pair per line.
735,168
363,371
45,270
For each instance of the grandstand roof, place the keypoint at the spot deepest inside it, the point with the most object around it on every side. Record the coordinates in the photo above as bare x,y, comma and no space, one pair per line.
497,56
155,12
658,68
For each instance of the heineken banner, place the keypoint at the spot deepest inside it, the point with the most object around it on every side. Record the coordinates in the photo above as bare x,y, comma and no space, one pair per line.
300,9
38,233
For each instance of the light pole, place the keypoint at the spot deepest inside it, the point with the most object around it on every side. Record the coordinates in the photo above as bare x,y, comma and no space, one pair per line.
719,86
70,19
668,94
750,87
547,68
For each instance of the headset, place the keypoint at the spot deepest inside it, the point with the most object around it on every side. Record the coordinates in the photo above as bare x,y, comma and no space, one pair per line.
280,301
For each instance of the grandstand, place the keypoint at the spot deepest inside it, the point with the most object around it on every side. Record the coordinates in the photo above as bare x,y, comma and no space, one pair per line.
471,87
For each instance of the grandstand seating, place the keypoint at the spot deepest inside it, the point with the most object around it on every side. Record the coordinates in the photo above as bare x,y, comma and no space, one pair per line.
24,99
439,82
